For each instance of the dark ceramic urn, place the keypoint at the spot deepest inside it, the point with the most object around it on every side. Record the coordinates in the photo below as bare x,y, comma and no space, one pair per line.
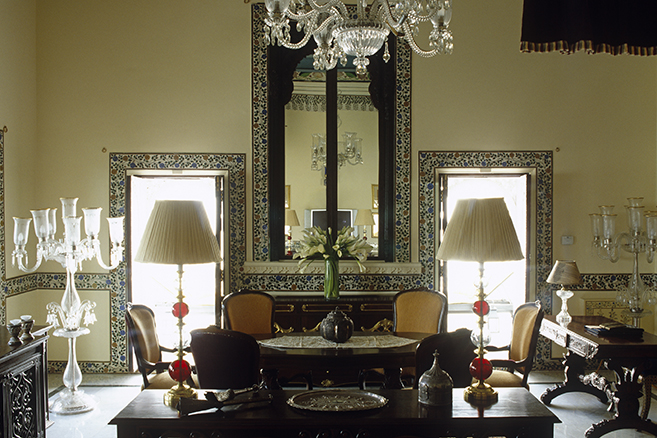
337,326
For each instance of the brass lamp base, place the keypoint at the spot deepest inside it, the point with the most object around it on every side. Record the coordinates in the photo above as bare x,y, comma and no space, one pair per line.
480,393
173,396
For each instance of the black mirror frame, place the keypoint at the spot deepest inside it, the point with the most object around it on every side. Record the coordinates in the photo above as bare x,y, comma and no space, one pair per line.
394,191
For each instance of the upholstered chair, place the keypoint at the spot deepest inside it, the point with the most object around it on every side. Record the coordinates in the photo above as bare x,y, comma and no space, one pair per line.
249,311
455,352
225,358
142,336
514,371
417,310
252,312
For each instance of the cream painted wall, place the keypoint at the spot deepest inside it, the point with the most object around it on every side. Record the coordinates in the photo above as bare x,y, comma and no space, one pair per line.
92,347
597,112
18,103
174,76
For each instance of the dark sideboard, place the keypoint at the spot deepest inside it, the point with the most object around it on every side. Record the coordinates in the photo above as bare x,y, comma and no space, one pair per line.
302,312
23,376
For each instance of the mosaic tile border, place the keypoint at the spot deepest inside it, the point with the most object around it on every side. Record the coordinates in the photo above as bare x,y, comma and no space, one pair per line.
430,161
236,246
260,145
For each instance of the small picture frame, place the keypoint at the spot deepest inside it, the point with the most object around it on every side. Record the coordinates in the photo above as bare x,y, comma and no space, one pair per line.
375,196
287,197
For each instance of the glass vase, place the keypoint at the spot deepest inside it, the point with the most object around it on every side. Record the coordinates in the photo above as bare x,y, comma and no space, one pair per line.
331,280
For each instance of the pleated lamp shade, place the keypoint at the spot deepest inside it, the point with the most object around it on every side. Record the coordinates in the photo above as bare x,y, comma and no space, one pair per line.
480,230
364,217
291,218
178,232
564,272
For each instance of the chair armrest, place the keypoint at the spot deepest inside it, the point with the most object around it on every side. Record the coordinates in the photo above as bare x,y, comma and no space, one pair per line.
168,349
493,348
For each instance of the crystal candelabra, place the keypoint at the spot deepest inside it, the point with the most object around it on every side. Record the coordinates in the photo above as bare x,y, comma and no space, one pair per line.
607,245
70,253
352,151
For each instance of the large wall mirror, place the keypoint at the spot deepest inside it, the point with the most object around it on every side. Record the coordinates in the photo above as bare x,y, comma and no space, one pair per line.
331,150
283,133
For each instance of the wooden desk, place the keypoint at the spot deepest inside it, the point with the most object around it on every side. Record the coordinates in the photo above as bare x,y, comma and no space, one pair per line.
390,359
627,357
517,413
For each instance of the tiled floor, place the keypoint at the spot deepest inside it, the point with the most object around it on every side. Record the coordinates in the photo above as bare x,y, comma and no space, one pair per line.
112,392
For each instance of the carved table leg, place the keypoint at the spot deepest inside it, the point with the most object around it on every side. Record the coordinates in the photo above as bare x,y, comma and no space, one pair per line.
626,402
574,370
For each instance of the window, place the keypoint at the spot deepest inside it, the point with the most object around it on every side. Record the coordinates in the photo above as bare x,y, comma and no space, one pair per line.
506,282
157,285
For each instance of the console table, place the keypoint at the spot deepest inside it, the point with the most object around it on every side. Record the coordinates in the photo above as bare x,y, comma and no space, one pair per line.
627,357
516,414
23,381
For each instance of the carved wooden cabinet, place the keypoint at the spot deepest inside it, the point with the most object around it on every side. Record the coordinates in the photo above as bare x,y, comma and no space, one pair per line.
23,380
304,312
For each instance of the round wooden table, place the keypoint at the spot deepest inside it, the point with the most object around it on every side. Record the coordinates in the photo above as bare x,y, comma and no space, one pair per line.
391,359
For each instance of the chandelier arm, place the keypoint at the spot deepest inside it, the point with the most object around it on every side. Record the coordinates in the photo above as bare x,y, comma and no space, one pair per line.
328,6
408,36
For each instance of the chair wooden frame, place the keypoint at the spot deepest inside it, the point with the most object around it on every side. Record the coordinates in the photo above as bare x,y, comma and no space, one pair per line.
144,366
525,365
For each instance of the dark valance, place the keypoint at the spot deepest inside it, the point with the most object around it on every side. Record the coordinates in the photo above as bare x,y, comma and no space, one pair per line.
597,26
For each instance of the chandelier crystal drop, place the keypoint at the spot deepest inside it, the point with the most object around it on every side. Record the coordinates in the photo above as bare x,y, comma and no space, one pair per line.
339,33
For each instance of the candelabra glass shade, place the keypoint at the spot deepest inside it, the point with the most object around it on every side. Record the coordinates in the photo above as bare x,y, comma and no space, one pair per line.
116,229
72,230
92,221
178,232
651,225
41,227
291,219
68,206
360,38
21,230
364,217
480,230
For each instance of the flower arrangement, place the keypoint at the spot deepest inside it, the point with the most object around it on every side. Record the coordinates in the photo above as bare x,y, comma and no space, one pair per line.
318,244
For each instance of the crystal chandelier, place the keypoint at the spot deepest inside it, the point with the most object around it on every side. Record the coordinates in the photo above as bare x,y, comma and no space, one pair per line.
352,151
339,33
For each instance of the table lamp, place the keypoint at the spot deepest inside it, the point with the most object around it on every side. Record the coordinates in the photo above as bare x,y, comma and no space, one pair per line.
178,233
564,272
291,220
364,217
480,230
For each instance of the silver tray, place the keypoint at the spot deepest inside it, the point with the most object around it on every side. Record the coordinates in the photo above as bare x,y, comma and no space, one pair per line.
337,400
